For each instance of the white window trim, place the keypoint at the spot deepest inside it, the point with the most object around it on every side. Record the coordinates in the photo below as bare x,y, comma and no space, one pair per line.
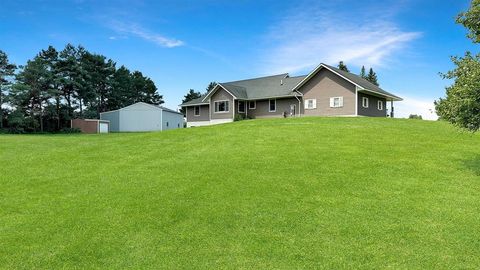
313,104
244,105
380,105
254,104
363,102
194,113
269,110
340,102
215,106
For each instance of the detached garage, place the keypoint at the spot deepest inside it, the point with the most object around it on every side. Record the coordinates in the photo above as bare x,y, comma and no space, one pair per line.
143,117
90,125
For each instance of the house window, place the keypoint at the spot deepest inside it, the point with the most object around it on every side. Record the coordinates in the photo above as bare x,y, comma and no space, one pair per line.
196,110
365,102
221,106
241,106
380,105
167,124
272,105
310,104
252,105
336,102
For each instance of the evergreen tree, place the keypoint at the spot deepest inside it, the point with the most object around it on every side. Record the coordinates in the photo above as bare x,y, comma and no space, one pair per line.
33,89
363,73
372,77
7,70
210,86
70,76
122,93
343,67
191,95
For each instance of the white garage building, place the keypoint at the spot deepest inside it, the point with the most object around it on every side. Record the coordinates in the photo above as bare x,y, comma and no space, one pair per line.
143,117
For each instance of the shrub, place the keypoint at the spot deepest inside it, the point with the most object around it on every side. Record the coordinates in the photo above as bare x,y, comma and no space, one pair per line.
239,117
70,131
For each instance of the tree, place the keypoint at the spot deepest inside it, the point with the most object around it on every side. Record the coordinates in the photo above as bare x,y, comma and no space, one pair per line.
461,106
191,95
470,19
210,86
363,73
7,70
372,77
34,88
343,67
415,116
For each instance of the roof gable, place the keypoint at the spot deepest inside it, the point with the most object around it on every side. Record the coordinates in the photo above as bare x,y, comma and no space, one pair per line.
350,77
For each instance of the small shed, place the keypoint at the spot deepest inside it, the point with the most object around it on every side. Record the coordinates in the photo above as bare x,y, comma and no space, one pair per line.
143,117
91,125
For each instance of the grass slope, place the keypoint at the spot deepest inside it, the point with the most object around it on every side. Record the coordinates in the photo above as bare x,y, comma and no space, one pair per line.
284,193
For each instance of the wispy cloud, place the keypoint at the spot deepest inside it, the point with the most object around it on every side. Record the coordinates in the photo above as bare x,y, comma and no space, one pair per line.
319,33
139,31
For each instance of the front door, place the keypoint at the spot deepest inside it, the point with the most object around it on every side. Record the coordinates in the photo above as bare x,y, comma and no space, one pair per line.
293,110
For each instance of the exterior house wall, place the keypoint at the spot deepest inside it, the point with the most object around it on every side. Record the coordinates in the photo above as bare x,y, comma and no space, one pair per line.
171,120
204,114
219,95
372,109
114,118
325,85
236,108
263,106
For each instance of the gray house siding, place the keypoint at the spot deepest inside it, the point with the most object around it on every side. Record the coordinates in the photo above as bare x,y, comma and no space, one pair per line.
219,95
171,120
372,109
262,108
325,85
114,118
204,114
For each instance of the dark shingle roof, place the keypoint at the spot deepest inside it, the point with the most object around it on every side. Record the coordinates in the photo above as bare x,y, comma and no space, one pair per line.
283,85
264,87
197,101
362,82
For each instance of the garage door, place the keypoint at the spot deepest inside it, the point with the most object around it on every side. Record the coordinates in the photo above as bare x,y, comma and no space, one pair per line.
103,127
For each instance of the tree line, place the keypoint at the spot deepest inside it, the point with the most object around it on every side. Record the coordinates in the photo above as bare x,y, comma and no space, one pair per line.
56,86
192,94
371,76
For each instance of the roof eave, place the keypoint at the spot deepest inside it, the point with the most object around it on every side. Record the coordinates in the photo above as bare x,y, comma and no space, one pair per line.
388,97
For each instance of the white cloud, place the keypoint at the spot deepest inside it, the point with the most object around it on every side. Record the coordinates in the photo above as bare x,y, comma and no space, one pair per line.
415,105
316,34
139,31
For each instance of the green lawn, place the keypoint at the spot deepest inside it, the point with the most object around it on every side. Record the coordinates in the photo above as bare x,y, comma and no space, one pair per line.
285,193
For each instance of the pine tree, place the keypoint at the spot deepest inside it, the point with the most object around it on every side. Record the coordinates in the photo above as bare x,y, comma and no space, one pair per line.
363,73
343,67
7,70
191,95
372,77
210,86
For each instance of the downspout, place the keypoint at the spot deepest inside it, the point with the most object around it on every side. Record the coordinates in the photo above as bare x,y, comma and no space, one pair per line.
299,105
161,119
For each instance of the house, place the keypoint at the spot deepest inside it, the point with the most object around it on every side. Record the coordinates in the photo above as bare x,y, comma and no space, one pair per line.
143,117
326,91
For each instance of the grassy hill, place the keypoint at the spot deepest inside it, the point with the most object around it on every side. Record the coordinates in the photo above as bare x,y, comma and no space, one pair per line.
284,193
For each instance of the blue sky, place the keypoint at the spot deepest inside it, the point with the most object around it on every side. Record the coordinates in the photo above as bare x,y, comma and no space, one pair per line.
187,44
